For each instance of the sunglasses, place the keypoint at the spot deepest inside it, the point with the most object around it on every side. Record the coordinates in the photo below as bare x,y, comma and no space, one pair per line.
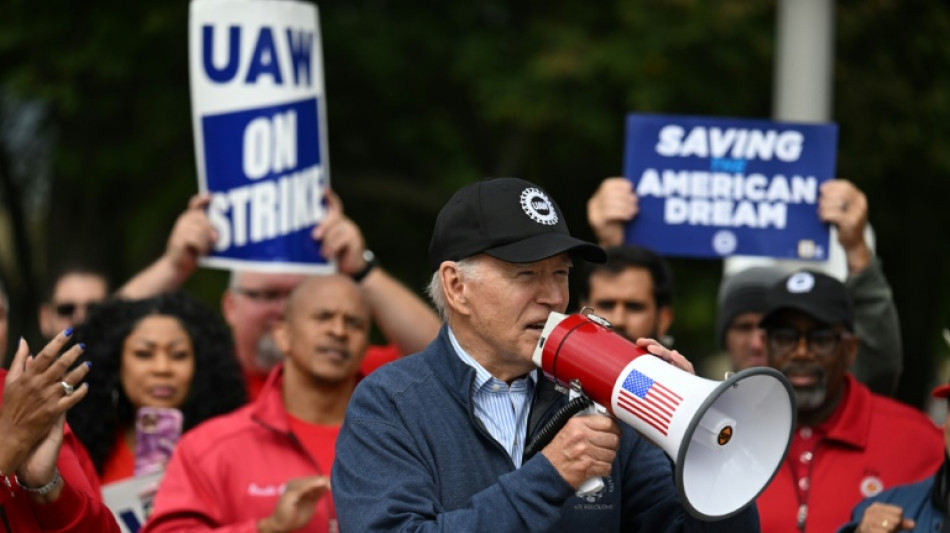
67,309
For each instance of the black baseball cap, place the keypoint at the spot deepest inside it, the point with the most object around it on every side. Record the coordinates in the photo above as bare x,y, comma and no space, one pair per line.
818,295
507,218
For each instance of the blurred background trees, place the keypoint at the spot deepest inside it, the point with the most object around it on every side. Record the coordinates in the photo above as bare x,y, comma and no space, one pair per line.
97,157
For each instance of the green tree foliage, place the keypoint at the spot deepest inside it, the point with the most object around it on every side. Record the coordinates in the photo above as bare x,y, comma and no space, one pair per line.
425,96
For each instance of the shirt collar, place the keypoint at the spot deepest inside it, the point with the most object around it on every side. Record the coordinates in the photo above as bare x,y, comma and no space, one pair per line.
482,376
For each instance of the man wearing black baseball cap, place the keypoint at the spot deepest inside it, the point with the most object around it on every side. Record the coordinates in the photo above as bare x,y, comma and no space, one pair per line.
849,443
436,440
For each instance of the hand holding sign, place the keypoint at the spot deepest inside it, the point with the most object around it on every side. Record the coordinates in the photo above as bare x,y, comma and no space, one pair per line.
842,204
342,239
612,206
192,237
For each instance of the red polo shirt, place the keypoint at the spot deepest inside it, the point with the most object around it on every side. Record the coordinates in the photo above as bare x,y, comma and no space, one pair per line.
870,443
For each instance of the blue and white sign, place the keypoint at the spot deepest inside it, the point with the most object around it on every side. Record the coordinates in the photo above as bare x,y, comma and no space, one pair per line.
130,500
711,187
259,116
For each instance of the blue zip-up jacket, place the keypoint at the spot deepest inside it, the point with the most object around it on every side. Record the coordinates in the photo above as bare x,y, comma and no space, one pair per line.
918,500
412,456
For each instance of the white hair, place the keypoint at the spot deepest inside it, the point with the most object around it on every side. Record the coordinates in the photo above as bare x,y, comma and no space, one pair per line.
467,268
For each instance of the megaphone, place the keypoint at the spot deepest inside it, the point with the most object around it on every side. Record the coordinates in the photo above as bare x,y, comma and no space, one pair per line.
727,439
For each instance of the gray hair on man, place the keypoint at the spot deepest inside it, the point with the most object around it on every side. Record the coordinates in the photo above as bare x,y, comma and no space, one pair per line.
467,268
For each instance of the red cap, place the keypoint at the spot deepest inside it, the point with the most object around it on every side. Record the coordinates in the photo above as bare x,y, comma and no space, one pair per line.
942,391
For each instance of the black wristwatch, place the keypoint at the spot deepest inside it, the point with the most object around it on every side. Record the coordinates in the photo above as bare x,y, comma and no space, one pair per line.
371,263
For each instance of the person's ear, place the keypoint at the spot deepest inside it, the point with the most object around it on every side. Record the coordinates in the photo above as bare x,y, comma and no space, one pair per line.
851,348
281,333
664,320
228,307
453,287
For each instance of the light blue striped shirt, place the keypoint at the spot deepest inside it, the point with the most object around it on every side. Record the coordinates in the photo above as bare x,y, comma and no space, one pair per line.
502,408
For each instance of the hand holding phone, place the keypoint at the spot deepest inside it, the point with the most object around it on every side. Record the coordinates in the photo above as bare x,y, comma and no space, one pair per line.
157,430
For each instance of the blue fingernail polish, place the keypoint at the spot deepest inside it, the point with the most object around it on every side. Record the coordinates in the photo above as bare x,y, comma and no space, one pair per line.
82,346
88,364
68,332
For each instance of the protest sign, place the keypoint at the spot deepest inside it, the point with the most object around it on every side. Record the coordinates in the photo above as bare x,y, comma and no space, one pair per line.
258,111
712,187
131,500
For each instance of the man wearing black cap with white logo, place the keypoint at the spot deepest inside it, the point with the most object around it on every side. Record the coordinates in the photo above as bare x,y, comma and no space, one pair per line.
849,443
436,440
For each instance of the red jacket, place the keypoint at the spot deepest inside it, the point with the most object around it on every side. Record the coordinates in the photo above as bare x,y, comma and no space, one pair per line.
79,508
228,473
874,444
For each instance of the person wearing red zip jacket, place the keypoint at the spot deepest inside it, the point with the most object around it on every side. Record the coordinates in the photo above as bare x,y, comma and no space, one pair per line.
47,482
265,467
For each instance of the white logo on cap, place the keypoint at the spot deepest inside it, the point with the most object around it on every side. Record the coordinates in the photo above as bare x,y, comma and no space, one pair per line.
537,206
800,282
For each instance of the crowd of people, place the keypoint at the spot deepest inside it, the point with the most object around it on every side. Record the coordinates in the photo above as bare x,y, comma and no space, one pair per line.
291,420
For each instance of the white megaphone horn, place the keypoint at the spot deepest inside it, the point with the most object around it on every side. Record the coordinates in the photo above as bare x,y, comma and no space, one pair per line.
727,438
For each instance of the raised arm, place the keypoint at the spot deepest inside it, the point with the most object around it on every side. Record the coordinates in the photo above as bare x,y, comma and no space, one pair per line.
192,237
880,353
45,485
613,205
404,318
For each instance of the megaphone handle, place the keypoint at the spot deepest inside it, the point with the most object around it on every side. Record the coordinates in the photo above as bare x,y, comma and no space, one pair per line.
593,484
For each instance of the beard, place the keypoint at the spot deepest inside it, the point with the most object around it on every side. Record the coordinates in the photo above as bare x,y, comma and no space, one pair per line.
813,397
267,355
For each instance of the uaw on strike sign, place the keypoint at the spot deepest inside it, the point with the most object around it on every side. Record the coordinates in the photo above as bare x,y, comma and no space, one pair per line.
259,118
711,187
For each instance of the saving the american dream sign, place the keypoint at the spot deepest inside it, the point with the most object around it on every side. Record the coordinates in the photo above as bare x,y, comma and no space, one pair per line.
713,187
258,111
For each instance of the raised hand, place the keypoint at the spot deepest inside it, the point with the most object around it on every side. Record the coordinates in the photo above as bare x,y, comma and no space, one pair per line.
192,236
613,205
842,204
341,238
37,393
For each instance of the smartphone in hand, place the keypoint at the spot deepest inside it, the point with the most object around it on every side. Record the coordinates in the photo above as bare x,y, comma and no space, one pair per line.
157,430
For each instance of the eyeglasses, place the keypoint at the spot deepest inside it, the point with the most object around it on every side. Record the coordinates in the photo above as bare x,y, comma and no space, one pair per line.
68,309
821,341
262,296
